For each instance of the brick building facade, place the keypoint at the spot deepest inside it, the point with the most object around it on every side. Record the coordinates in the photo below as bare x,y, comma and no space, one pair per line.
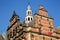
40,28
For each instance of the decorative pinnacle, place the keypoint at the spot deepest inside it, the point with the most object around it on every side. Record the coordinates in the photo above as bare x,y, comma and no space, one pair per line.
41,7
14,13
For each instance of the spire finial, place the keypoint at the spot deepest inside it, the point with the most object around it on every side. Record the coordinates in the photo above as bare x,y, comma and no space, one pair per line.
29,5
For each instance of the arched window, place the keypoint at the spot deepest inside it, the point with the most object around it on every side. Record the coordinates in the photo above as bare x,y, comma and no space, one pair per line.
31,18
28,12
28,19
51,30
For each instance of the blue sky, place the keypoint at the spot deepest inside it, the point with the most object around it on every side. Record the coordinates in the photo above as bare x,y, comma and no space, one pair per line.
8,6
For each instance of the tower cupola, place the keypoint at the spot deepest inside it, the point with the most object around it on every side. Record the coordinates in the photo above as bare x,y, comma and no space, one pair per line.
29,16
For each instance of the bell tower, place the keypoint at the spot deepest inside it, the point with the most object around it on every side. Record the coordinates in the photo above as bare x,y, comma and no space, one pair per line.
29,16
